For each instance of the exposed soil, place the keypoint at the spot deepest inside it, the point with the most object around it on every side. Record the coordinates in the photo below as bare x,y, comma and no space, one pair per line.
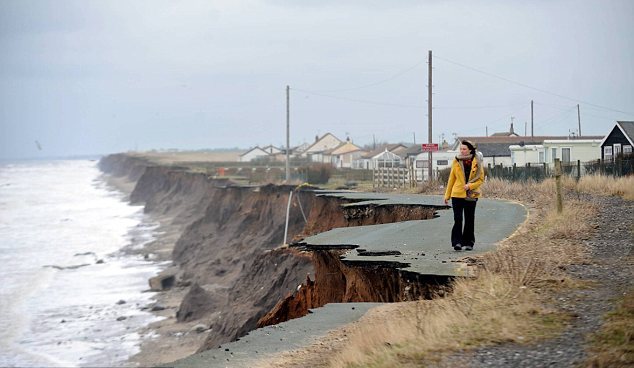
226,242
609,274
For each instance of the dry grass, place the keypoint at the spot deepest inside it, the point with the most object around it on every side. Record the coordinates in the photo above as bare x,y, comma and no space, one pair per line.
605,185
505,302
613,345
488,309
508,301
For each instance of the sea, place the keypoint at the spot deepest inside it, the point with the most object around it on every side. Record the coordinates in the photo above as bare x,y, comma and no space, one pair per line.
70,293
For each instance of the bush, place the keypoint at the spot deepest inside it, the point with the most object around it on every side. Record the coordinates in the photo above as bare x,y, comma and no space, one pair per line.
318,173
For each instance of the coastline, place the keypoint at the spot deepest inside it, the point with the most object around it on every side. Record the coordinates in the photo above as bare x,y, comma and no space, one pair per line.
166,340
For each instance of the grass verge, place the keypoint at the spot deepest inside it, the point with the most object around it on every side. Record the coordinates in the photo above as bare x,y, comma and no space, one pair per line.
613,345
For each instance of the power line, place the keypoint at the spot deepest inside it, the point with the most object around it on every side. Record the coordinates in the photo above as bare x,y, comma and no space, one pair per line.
398,74
530,87
358,100
475,107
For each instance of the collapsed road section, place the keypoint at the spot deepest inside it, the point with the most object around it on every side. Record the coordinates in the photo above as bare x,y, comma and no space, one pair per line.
229,264
406,260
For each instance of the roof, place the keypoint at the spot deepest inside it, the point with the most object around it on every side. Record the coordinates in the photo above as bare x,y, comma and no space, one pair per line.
504,134
626,127
398,147
318,140
344,148
253,149
301,148
499,145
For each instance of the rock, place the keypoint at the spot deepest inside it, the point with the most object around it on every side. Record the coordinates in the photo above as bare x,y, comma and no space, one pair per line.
157,307
121,318
165,280
199,302
199,328
100,261
121,302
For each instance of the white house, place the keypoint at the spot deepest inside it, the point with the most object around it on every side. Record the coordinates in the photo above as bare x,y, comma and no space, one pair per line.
316,152
440,160
345,154
271,149
253,154
567,150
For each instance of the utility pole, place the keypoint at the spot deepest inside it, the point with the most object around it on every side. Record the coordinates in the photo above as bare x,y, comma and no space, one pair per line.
579,120
531,118
429,134
288,124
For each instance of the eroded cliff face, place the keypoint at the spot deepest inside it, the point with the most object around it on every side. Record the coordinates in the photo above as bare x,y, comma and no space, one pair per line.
230,254
336,282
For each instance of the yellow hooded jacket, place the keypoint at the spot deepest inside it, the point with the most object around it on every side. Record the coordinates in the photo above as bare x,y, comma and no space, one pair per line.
457,181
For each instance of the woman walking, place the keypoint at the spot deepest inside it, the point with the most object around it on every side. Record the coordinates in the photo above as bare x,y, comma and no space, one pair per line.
467,174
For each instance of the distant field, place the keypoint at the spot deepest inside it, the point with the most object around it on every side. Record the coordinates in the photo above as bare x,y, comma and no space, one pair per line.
180,157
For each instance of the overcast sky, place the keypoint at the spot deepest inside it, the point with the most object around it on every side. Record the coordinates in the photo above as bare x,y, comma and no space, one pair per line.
85,77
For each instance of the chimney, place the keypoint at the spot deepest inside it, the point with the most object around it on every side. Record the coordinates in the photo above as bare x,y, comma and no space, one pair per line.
511,131
316,138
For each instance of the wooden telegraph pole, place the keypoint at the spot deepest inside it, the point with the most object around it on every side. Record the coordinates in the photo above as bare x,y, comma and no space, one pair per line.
429,136
531,118
560,205
288,147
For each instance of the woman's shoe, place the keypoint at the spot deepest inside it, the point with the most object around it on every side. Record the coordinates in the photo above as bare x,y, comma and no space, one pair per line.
468,247
457,247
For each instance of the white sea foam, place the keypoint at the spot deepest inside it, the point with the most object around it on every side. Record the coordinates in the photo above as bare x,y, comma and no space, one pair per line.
58,305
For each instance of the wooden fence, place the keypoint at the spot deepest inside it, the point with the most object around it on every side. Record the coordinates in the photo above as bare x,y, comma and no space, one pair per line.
393,177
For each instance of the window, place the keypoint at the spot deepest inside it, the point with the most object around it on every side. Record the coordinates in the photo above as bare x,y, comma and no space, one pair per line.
442,162
422,164
565,154
541,157
617,149
627,149
554,154
607,153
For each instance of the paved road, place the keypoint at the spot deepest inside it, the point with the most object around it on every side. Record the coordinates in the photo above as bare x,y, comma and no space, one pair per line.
424,247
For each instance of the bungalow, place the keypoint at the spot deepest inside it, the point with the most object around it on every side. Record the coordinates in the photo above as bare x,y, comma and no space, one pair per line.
619,141
255,153
345,154
496,149
440,160
568,150
271,149
316,152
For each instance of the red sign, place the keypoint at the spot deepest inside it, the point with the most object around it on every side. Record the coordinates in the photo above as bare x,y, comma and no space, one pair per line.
430,147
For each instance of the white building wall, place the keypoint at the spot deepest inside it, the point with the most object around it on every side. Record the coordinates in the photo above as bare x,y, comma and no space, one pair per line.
580,149
252,155
521,155
326,143
577,149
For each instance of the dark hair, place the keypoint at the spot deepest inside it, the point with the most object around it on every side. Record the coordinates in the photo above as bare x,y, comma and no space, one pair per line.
471,146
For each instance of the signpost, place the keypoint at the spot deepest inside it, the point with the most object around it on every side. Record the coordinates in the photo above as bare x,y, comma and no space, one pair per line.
430,147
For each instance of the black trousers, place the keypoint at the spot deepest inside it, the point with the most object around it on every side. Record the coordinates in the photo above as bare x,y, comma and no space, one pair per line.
465,236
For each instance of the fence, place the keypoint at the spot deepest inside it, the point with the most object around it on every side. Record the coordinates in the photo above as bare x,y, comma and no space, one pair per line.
393,177
577,169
